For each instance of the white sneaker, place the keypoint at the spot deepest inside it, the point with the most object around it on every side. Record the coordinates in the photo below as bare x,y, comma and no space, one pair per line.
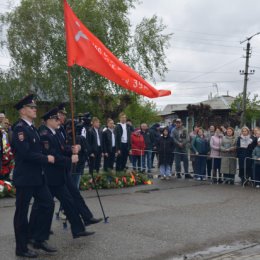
198,179
167,178
257,186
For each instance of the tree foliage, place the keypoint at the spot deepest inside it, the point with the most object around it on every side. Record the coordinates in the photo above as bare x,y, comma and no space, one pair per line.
36,42
252,107
201,113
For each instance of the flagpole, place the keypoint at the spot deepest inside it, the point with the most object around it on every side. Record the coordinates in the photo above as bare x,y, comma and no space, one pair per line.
71,106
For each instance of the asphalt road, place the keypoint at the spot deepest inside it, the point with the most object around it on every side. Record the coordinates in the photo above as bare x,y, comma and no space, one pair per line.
166,220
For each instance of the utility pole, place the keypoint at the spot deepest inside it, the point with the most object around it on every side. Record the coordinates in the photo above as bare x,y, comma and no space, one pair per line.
246,73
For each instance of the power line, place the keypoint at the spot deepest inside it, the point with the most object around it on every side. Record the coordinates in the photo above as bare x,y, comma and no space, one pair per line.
205,51
203,39
189,71
213,44
216,68
203,33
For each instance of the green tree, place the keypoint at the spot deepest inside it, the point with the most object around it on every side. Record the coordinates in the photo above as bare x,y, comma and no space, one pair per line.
36,42
252,107
201,114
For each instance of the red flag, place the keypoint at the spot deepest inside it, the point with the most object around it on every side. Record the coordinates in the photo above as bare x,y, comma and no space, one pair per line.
86,50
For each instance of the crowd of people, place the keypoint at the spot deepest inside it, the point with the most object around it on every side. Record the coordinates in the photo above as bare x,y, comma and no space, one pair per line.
49,161
213,153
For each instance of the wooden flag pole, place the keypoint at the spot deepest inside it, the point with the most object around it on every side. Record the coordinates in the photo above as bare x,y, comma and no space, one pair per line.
71,107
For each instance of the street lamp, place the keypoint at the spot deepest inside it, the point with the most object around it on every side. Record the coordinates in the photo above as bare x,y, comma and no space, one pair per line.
246,73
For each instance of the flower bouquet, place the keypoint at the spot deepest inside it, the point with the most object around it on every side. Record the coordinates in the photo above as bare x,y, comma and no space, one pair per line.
6,189
112,180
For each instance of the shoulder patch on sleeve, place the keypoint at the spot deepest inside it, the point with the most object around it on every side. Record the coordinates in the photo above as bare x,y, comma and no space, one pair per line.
21,136
46,145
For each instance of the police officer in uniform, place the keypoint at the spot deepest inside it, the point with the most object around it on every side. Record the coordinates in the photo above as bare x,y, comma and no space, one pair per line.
56,173
30,182
83,209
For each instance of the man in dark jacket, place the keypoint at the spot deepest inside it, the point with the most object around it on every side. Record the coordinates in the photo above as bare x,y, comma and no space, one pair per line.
155,133
56,173
123,142
83,209
95,145
149,143
29,180
78,170
109,145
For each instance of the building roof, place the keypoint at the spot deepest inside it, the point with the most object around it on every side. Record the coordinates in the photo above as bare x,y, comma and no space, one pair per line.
216,103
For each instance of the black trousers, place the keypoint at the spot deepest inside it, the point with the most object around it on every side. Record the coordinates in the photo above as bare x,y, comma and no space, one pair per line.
94,162
67,202
110,160
43,215
122,157
79,202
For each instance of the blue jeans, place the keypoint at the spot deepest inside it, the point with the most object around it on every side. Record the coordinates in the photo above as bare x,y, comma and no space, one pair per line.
76,179
200,166
165,170
136,160
147,160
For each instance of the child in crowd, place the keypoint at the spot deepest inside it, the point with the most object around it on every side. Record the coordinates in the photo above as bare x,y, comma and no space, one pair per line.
165,148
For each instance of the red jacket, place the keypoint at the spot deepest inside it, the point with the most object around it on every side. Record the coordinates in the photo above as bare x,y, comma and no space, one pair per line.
138,144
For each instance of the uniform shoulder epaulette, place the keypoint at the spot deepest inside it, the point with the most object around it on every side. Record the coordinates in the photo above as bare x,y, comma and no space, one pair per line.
43,132
18,124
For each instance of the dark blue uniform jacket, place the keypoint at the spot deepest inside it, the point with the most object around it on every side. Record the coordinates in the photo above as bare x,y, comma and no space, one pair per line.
55,173
29,158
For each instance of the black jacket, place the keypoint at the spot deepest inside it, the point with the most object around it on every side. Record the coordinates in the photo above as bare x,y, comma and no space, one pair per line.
165,150
29,158
83,153
148,139
51,144
107,141
118,134
92,140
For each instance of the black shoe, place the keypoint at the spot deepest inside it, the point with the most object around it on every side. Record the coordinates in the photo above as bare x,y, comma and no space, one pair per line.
83,234
44,246
178,175
29,254
93,221
188,176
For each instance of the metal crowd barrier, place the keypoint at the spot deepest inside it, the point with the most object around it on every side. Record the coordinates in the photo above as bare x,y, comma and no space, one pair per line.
208,176
251,179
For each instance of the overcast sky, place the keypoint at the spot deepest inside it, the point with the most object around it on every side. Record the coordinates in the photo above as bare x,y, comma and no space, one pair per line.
205,55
